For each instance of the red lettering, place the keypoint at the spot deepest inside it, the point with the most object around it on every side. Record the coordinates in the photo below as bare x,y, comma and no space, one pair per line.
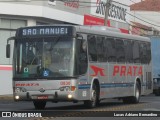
72,4
27,84
18,84
123,71
140,71
23,84
97,70
135,69
116,70
129,73
65,83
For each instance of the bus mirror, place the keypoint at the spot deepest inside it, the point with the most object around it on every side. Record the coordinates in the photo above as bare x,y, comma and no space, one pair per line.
8,51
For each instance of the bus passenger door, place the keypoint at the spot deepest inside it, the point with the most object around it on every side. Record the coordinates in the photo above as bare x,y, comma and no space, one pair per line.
81,68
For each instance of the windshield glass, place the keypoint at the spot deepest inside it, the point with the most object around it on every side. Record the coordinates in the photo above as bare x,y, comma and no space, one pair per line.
44,58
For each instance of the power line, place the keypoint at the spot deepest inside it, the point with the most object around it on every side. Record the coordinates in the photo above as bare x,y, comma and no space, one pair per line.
142,20
82,6
132,1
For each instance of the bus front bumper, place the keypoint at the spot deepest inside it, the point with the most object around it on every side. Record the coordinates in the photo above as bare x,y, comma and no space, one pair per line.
48,95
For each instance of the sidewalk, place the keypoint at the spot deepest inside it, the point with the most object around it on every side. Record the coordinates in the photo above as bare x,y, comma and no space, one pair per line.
6,97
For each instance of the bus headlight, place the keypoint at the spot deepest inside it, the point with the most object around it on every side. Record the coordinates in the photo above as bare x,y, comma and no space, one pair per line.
70,96
17,90
16,97
67,88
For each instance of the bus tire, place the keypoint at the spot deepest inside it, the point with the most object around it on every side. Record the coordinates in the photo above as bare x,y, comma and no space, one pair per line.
136,98
39,104
94,98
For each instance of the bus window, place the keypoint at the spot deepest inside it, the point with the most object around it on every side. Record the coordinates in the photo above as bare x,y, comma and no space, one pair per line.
136,52
148,52
105,50
143,53
81,67
111,50
120,51
92,51
100,49
128,51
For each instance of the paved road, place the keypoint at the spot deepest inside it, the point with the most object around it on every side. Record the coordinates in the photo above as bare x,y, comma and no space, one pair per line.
147,103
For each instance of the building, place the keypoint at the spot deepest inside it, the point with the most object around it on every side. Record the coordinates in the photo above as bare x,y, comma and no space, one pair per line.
21,13
140,29
146,15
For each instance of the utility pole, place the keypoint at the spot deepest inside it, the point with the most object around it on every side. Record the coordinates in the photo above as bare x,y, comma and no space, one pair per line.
107,6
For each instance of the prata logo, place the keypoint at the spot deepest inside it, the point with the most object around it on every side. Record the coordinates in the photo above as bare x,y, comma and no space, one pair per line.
97,70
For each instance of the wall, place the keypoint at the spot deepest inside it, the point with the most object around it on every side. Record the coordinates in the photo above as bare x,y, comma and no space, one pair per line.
7,29
150,17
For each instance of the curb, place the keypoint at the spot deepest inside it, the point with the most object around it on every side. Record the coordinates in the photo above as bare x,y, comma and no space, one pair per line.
6,97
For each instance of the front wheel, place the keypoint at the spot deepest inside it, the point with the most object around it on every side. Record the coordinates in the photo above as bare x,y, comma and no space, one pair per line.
94,98
39,104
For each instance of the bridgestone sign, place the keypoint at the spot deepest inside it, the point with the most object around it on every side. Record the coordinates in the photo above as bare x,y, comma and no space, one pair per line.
117,11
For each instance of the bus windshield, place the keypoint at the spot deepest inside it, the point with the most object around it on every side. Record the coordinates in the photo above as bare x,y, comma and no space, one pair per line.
44,57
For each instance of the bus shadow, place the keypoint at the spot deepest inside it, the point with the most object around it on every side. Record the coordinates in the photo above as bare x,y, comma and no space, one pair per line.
81,107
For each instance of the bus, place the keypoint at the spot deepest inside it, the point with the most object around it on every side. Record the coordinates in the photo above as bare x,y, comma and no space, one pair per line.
79,63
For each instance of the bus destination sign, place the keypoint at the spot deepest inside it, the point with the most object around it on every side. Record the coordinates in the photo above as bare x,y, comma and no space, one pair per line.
44,31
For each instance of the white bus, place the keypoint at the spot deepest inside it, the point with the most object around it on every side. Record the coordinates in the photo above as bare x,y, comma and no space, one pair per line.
79,63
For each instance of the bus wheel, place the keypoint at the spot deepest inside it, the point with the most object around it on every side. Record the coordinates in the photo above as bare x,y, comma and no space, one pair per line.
136,98
39,104
94,98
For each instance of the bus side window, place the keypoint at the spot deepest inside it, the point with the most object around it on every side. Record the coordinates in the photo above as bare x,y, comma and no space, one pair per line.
100,49
105,50
136,52
120,50
82,57
128,51
111,50
143,53
148,52
92,49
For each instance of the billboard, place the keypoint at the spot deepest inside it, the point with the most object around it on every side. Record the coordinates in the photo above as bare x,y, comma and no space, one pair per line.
117,11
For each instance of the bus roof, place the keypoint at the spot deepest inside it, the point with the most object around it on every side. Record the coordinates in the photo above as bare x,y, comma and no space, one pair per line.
111,32
100,30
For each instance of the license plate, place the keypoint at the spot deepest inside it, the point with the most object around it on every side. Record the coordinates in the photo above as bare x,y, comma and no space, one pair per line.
42,97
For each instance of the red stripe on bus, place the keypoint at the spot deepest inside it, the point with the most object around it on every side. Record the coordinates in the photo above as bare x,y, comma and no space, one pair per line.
5,68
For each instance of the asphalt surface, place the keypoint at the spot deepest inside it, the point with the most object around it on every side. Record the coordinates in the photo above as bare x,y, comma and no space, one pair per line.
71,111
